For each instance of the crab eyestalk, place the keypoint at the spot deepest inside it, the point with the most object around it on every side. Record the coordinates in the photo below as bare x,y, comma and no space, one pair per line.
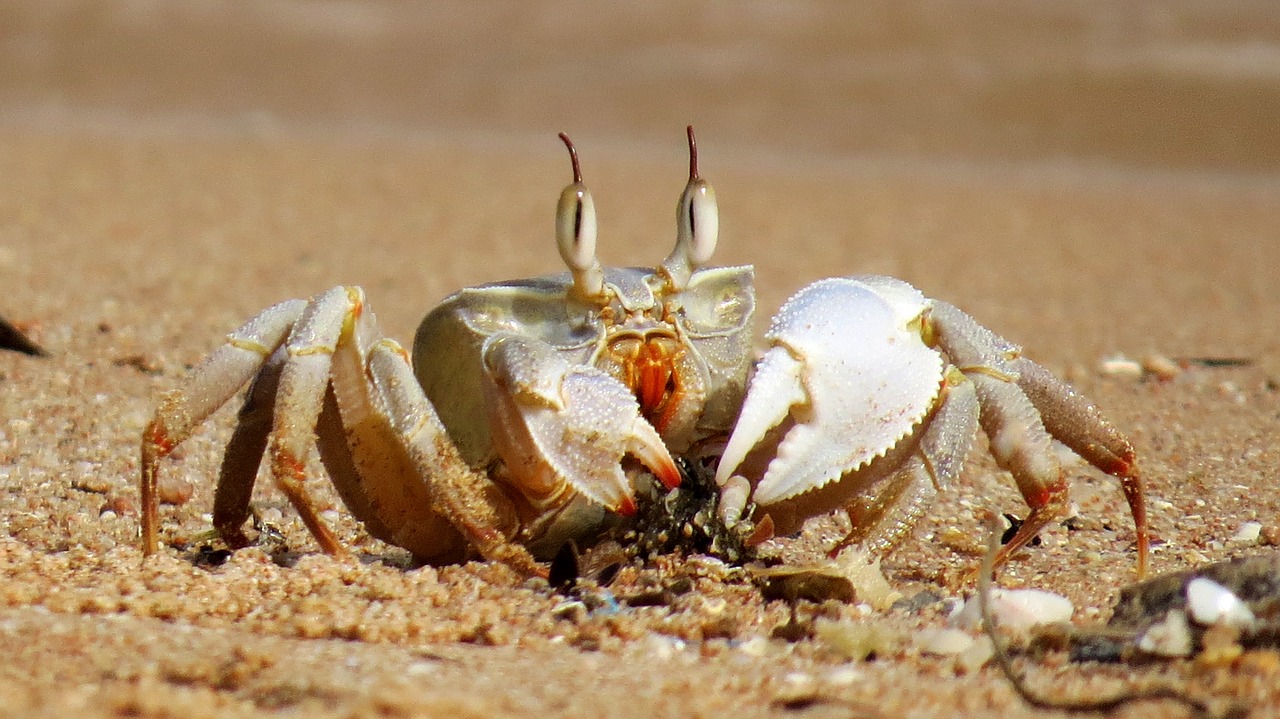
697,225
576,233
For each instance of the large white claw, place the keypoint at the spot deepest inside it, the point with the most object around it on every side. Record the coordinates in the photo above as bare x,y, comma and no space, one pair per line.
555,424
847,366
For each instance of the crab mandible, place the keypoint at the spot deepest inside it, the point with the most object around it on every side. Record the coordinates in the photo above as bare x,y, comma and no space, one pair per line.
531,404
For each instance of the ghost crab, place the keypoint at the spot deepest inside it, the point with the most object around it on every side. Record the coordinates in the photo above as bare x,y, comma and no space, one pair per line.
531,405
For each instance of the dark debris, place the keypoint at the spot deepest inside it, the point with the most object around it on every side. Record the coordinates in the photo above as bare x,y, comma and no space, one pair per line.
12,338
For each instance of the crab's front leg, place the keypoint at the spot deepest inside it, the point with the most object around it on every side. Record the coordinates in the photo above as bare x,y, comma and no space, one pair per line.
212,384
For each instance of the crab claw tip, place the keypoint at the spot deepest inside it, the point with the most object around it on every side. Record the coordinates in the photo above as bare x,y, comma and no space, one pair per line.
776,389
627,507
669,476
645,445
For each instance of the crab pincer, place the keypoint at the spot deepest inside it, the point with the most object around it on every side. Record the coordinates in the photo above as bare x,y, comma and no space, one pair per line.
868,399
562,426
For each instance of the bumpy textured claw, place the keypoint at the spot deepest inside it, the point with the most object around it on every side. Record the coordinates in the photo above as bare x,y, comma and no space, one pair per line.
559,426
847,369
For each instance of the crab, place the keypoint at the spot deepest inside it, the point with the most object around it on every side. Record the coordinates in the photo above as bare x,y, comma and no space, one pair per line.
531,409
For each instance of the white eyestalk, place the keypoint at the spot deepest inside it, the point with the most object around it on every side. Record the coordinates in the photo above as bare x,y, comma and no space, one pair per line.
576,233
697,225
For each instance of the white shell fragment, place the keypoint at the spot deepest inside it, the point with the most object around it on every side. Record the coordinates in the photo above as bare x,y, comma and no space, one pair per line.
1210,603
1120,366
1168,638
975,656
1016,610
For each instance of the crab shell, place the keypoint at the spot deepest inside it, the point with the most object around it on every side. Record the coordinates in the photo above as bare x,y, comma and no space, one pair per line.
702,333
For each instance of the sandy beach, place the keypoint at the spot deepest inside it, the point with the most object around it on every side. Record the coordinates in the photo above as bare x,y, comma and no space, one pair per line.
1088,182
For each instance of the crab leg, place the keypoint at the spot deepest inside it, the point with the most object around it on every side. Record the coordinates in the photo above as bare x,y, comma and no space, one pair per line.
1021,437
333,328
302,388
428,535
213,382
244,453
1077,423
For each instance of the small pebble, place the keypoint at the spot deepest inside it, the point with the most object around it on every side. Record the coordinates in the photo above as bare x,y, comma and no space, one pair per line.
1248,533
89,481
117,506
855,641
1219,647
756,646
664,647
797,684
842,676
1211,603
1161,367
943,641
174,490
863,572
975,656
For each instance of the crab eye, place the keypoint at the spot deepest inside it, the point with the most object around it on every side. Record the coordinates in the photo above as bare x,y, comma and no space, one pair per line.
697,226
699,221
576,232
576,228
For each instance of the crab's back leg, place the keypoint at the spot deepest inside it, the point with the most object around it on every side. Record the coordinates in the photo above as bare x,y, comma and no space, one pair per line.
244,453
392,461
303,382
217,378
248,443
1077,423
1020,436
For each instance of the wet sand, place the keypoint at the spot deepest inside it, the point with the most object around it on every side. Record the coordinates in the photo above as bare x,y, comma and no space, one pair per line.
158,186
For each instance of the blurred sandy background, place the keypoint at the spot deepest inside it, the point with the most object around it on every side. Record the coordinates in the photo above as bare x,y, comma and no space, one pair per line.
1145,84
1087,178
